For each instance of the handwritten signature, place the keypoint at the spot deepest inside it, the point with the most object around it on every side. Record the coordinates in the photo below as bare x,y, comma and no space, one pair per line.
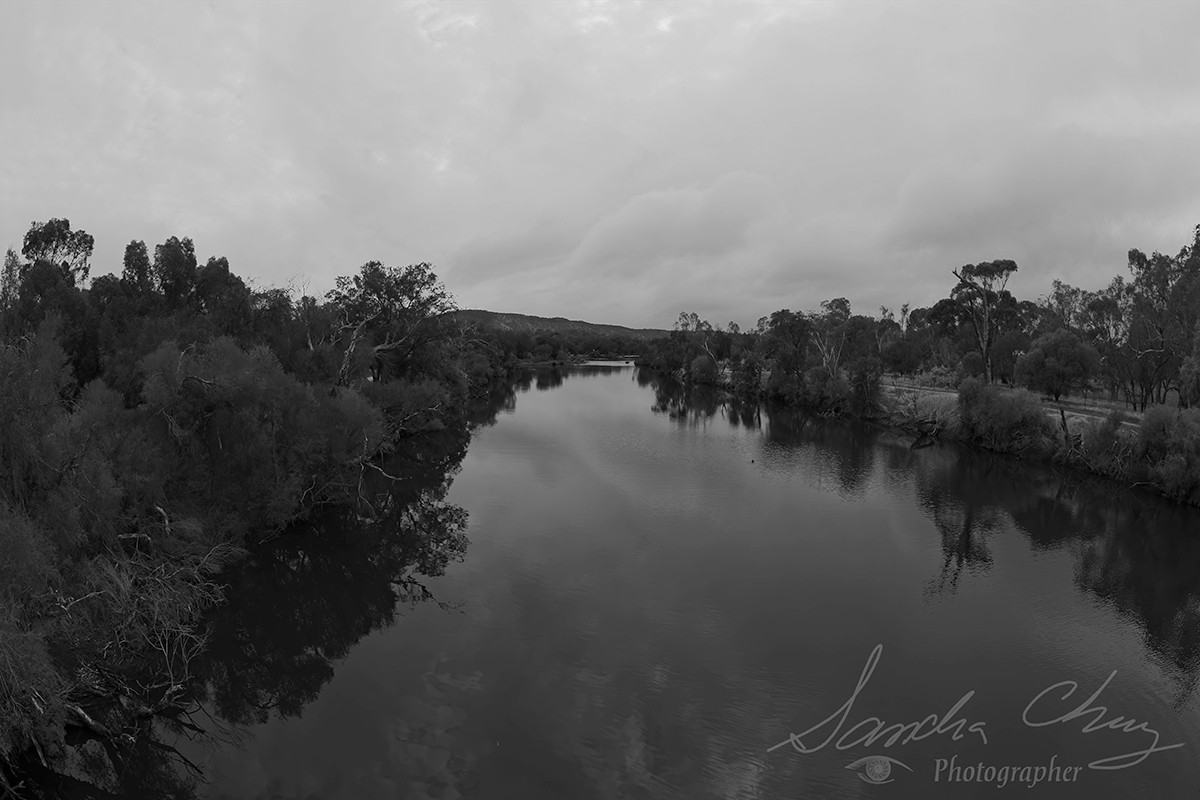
1099,723
876,728
953,722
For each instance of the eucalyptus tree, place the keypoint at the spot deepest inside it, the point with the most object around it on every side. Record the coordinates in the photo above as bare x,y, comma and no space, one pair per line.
980,290
56,243
175,270
396,311
828,333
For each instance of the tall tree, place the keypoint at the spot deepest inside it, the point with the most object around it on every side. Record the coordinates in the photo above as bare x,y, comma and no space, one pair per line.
398,311
175,269
55,242
699,331
979,289
137,272
829,333
10,287
1165,309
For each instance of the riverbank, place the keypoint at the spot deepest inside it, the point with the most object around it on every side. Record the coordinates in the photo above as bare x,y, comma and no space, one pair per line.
1158,449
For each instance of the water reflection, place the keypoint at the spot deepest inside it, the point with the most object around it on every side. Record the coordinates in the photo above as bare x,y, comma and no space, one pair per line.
300,606
690,405
1131,549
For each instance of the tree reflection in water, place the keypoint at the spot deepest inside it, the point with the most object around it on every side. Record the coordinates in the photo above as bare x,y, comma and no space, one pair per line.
302,603
297,606
689,405
1133,550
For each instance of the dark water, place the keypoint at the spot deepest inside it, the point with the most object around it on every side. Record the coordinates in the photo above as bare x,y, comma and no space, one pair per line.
660,587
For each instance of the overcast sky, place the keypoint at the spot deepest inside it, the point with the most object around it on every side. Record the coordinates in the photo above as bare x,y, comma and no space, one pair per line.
607,161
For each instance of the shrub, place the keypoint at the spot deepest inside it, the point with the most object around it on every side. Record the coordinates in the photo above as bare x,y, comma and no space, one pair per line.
703,369
902,356
971,366
820,390
1105,447
27,559
250,442
1058,363
409,406
747,373
1154,433
865,389
30,691
1168,451
1006,421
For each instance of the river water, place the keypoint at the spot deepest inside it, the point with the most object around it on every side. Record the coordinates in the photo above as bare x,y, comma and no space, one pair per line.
628,590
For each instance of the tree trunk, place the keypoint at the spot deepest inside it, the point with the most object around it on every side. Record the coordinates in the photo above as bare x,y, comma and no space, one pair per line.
343,378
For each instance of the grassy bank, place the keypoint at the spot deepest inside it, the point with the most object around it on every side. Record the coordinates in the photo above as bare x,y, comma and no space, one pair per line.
1159,448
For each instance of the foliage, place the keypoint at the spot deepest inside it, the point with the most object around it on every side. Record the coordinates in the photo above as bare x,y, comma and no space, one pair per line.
1006,421
395,312
703,369
982,295
1189,374
56,244
1057,363
1169,449
1105,447
156,422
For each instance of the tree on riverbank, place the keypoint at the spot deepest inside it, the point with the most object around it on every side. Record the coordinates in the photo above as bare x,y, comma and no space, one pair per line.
154,423
981,291
1057,363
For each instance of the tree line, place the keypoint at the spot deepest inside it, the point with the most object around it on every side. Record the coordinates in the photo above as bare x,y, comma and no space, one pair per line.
157,421
1134,341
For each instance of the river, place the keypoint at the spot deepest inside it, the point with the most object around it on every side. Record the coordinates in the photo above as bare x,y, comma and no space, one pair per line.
627,590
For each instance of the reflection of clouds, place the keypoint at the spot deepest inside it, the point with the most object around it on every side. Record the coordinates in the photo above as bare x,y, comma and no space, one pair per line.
426,759
633,640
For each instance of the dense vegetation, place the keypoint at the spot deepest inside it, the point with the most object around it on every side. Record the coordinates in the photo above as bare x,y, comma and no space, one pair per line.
156,423
1134,344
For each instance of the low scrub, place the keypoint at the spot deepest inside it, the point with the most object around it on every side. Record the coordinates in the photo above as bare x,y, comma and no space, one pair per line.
1168,451
1005,421
1102,446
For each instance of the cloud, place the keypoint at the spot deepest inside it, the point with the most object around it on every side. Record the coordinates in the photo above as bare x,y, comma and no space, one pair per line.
595,161
674,227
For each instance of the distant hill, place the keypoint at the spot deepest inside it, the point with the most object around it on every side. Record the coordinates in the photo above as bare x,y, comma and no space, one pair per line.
525,322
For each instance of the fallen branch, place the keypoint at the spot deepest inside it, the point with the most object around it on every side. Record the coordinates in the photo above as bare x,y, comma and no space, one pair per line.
89,724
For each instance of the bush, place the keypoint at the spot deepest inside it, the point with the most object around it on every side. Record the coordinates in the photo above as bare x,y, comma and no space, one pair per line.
1168,452
865,390
27,559
747,374
703,370
822,391
1005,421
902,356
1105,447
1154,433
409,406
249,441
971,366
1058,363
30,691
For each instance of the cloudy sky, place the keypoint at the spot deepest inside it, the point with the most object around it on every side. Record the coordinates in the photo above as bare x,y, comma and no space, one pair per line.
612,161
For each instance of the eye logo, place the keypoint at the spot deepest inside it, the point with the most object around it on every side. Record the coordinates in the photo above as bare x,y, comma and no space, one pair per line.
876,769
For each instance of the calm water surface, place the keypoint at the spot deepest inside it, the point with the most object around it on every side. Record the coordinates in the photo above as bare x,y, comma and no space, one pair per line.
659,587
